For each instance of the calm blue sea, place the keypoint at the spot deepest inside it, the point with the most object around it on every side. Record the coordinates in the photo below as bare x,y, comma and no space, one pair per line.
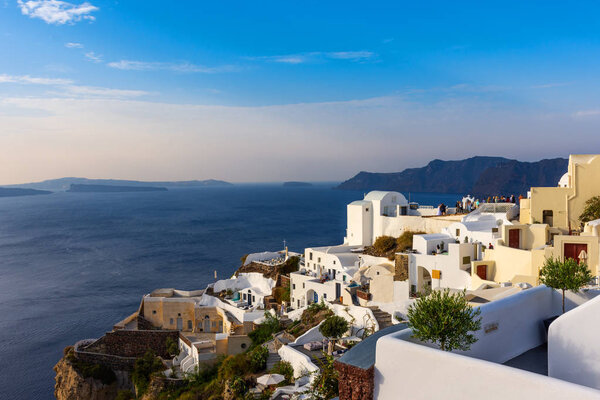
72,264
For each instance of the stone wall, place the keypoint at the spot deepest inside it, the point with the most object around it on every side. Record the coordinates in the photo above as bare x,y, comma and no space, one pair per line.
355,383
129,343
401,267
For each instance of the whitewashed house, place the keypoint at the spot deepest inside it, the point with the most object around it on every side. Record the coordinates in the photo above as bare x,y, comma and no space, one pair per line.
437,261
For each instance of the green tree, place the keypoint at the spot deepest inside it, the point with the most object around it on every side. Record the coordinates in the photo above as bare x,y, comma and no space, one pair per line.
444,319
384,244
143,369
325,385
564,275
172,346
333,328
258,358
591,210
284,368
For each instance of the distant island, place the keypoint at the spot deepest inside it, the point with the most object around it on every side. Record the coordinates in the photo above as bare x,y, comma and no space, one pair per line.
296,184
476,175
78,188
13,192
65,183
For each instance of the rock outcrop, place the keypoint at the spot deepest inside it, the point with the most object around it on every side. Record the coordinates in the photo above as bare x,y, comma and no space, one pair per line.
71,385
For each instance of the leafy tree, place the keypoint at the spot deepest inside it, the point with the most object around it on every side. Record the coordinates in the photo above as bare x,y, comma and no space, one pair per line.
143,369
591,210
444,319
172,346
258,358
265,330
325,384
284,368
333,328
564,275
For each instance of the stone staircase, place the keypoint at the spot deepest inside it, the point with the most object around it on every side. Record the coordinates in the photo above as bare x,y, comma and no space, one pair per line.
272,360
383,319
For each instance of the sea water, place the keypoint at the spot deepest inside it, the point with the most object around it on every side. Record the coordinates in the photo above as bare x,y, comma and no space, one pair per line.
73,264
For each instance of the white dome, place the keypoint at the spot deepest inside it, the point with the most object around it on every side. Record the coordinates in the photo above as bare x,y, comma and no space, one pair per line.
564,180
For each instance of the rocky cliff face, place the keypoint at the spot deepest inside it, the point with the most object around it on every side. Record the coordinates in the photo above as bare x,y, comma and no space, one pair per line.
71,385
476,175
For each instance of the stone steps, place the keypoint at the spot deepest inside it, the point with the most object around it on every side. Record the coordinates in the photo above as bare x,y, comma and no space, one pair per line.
383,319
273,359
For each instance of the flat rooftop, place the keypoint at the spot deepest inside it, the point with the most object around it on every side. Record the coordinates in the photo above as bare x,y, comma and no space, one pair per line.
534,360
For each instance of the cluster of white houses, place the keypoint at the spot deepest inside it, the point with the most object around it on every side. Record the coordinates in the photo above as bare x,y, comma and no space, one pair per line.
494,253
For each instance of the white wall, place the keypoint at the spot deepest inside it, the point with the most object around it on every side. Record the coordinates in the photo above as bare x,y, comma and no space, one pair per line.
402,365
300,362
573,351
419,372
311,335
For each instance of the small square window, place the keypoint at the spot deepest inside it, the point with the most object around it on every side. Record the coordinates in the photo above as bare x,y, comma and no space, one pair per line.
153,311
367,209
293,287
324,295
171,321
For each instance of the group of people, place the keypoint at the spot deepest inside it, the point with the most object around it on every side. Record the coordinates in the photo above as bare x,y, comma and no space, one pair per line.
469,204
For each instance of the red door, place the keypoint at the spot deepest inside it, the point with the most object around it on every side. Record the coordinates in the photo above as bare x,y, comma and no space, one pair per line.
573,250
514,236
482,272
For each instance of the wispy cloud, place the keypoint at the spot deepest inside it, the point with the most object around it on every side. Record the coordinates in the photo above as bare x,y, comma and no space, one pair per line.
57,12
74,45
91,56
166,66
586,113
549,85
93,91
315,56
67,88
26,79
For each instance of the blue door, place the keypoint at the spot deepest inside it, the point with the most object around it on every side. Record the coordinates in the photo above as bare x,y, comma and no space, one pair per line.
316,297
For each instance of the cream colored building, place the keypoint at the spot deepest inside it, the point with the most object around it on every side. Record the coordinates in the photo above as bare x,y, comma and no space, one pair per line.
522,250
561,206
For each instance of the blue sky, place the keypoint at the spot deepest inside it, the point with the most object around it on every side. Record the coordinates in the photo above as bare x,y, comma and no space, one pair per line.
258,91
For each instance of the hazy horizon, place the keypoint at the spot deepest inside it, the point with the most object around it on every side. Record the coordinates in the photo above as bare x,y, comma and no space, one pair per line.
283,91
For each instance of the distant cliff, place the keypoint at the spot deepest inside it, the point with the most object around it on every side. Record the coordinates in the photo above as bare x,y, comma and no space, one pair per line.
114,188
65,183
476,175
12,192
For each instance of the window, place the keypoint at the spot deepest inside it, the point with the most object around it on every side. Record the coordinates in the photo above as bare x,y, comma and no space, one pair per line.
547,217
171,321
467,260
245,293
457,232
303,285
344,278
310,256
377,272
333,262
179,314
319,259
243,345
367,209
189,324
253,298
324,295
494,230
153,311
293,287
214,324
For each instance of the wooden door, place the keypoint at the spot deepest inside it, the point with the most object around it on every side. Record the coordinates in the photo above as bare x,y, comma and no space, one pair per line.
514,236
482,271
573,250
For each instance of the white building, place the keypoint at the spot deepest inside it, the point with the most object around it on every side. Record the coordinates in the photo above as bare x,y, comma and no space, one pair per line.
388,214
326,272
439,262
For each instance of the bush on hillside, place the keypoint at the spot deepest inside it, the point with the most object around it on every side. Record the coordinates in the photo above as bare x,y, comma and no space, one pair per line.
257,358
143,369
284,368
264,331
383,244
405,241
